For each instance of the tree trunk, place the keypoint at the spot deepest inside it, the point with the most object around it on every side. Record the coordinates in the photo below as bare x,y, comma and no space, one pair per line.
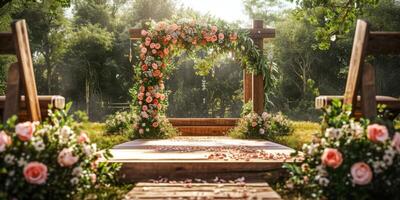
87,94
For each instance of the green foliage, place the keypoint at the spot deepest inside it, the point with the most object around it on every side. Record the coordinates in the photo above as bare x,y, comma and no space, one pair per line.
332,18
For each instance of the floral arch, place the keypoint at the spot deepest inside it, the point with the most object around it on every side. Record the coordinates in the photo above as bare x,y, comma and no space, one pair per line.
162,41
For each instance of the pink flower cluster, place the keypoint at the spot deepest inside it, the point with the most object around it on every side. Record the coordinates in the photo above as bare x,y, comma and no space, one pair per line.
36,172
361,172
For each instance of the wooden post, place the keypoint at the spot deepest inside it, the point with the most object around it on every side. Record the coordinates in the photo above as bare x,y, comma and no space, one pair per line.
368,91
258,80
27,76
247,86
356,64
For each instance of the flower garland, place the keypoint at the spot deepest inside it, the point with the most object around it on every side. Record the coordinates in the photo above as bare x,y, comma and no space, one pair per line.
165,39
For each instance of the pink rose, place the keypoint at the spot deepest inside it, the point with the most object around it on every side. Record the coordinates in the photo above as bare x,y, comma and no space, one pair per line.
162,97
35,173
93,178
83,138
143,50
214,29
166,51
152,45
221,36
332,158
158,46
141,88
5,141
361,173
25,130
154,65
141,131
140,96
154,51
377,133
147,43
143,32
145,108
155,124
149,99
253,124
66,158
396,141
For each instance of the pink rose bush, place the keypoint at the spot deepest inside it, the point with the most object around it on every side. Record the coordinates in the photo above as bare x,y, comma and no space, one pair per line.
164,40
49,160
348,160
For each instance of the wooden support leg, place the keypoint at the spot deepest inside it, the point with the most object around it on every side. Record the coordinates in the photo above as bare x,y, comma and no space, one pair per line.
368,91
12,92
247,86
258,93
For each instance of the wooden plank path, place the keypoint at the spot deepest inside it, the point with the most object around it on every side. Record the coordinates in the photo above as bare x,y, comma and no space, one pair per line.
202,191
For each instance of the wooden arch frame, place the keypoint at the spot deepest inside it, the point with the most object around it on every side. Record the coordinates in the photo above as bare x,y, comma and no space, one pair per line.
253,89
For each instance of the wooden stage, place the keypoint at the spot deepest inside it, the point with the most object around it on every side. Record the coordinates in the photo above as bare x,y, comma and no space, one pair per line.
193,158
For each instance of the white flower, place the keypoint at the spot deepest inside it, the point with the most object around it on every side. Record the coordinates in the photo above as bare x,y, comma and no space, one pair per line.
357,129
11,173
323,181
65,133
147,130
88,150
333,38
21,162
77,171
39,145
261,131
333,133
74,181
264,116
9,159
388,160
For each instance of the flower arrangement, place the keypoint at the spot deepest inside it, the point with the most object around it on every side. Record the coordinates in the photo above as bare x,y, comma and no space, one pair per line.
49,160
165,39
349,159
264,126
119,122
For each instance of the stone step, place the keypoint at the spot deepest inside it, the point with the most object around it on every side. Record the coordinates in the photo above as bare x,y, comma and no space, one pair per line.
198,157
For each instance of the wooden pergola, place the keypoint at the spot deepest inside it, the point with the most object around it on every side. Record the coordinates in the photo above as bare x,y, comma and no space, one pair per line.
253,89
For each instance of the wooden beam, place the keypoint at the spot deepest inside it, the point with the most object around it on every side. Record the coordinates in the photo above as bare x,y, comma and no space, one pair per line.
356,63
258,80
24,57
12,99
368,91
203,121
247,86
7,45
384,43
135,33
259,33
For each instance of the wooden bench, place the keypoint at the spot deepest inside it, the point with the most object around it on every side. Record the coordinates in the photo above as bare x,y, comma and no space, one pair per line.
361,76
21,78
45,102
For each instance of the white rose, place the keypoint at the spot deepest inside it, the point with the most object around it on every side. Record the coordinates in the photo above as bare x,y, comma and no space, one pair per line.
77,171
65,133
9,159
39,145
261,131
66,158
74,181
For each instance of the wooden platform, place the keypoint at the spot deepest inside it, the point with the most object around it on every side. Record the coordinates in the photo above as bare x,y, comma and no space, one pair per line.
196,157
203,126
202,191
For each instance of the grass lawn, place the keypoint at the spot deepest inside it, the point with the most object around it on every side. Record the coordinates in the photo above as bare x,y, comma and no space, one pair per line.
302,133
